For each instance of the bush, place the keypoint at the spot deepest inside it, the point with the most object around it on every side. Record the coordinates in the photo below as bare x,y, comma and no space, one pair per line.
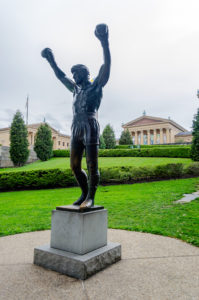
192,169
151,152
109,137
55,178
18,141
124,147
195,141
164,146
44,144
38,179
125,138
61,153
183,152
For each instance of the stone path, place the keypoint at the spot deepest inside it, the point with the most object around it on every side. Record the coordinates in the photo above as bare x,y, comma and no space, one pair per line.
188,198
152,268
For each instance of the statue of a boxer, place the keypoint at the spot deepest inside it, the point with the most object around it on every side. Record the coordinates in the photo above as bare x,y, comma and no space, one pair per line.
85,128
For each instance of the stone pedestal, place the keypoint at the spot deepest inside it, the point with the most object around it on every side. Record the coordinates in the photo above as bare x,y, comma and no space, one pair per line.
78,245
78,232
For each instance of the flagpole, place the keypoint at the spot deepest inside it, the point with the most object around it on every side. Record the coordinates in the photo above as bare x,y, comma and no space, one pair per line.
27,109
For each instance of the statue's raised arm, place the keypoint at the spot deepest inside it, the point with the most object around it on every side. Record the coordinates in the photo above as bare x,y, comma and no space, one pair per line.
47,53
101,32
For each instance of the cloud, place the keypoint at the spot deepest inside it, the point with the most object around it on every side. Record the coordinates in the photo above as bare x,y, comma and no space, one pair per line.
154,48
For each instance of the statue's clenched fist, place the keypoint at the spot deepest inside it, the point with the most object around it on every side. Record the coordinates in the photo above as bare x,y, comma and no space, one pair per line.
101,32
47,53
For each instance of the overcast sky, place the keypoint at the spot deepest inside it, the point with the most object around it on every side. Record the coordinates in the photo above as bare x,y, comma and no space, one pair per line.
155,58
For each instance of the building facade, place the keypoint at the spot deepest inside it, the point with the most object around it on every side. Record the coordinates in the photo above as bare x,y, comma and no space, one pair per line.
60,141
147,130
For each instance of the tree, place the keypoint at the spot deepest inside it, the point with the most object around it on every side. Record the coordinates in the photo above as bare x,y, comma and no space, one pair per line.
18,140
109,137
195,141
125,138
102,144
43,142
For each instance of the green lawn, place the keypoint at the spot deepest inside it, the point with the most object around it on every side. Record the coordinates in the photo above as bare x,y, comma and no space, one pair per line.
145,207
64,162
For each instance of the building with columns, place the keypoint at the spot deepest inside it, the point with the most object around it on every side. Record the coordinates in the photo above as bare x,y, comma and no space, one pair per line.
147,130
60,141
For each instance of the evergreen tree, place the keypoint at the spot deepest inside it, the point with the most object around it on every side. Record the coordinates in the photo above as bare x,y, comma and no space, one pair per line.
109,137
102,144
43,142
125,138
195,141
18,140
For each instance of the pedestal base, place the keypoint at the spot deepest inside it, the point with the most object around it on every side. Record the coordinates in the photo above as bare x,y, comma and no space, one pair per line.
74,265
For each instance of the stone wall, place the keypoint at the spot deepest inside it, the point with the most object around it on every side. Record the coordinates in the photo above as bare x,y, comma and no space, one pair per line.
5,160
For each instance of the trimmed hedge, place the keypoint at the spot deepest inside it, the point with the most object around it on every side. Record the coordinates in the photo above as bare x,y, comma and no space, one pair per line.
55,178
61,153
38,179
150,146
183,152
165,145
151,152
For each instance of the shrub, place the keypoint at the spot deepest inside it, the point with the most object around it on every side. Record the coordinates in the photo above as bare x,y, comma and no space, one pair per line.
156,152
61,153
109,137
18,141
195,141
124,146
37,179
44,143
125,138
192,169
55,178
183,152
164,146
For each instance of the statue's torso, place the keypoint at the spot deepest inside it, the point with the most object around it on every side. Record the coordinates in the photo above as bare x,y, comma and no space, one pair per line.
87,100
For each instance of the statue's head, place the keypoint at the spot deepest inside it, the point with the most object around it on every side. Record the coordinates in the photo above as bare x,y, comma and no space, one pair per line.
80,73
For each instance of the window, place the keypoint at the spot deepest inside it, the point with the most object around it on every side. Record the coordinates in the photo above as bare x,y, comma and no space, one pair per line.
59,143
63,143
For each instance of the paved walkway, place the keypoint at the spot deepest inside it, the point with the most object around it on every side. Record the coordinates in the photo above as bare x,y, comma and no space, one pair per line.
152,268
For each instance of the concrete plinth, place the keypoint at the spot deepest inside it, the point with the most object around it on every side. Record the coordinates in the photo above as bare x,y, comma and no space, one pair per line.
79,232
74,265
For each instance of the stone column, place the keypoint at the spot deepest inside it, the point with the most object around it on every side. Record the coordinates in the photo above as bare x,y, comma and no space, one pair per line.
136,137
154,137
168,135
148,137
161,136
142,137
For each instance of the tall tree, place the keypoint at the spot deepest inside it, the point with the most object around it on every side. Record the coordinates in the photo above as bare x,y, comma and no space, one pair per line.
109,137
195,141
18,140
125,138
43,142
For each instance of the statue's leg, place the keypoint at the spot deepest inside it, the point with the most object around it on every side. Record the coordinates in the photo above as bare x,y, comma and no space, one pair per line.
93,174
76,154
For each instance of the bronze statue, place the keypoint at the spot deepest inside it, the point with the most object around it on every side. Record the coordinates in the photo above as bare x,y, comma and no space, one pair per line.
85,127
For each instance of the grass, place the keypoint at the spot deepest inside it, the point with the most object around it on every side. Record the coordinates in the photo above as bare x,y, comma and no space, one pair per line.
64,162
145,207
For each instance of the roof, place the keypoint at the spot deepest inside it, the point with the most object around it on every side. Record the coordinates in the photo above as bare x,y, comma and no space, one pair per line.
184,133
36,125
147,120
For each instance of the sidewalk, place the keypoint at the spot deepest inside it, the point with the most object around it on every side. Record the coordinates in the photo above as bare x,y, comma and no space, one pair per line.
152,268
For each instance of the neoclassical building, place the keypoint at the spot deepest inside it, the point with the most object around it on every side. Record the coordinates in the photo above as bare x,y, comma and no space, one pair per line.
60,141
147,130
